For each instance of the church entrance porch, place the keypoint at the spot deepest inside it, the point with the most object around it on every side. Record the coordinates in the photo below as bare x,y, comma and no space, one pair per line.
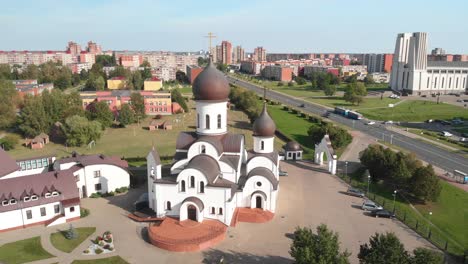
258,202
191,209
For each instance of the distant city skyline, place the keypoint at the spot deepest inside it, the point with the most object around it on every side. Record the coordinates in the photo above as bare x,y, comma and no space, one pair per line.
363,26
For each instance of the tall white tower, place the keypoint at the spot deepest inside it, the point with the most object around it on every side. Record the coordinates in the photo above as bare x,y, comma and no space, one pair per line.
211,92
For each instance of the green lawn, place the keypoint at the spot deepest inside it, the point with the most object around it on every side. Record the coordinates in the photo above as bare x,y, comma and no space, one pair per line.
368,103
23,251
412,110
59,241
448,213
136,141
111,260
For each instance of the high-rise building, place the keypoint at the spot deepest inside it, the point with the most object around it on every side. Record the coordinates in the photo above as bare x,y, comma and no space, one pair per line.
226,52
438,51
378,62
219,54
414,74
74,48
259,54
238,54
94,48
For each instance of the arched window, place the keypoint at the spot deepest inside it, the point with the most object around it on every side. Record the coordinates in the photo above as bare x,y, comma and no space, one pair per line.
456,83
182,186
192,181
262,145
202,187
207,121
450,82
213,210
219,121
443,80
435,82
220,211
198,120
168,205
203,149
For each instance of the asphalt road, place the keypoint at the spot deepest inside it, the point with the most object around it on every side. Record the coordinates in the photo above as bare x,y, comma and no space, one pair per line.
432,154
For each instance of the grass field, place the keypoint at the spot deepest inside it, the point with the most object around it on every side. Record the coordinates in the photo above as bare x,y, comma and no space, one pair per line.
135,140
411,110
448,213
23,251
111,260
59,241
294,127
371,103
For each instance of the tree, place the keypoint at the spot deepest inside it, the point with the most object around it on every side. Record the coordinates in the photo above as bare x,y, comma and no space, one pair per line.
177,97
426,256
323,247
105,60
95,82
100,112
425,184
355,93
76,79
31,72
181,77
222,67
329,90
33,119
54,105
79,131
300,80
202,61
9,142
126,115
369,79
5,71
246,101
383,249
120,71
137,80
338,136
71,233
138,105
146,73
84,75
280,83
63,81
145,64
8,101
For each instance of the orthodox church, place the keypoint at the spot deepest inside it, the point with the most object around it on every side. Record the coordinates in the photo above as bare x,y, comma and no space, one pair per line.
212,173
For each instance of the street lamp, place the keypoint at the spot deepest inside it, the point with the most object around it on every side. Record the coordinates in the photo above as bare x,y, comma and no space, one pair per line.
346,168
394,199
368,183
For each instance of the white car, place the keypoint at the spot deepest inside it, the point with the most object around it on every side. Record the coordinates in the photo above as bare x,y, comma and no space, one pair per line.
370,205
370,123
463,139
389,122
446,134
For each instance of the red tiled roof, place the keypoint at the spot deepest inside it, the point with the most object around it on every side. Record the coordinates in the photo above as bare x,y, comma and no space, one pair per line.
118,78
71,202
153,79
87,160
7,164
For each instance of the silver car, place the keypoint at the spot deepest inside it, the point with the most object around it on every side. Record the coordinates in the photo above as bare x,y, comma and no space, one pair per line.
370,206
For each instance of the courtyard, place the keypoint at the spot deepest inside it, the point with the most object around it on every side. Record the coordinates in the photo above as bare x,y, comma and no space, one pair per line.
308,197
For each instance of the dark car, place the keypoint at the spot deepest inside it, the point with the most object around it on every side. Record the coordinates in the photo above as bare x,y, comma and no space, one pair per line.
355,192
301,105
381,213
464,134
283,173
445,122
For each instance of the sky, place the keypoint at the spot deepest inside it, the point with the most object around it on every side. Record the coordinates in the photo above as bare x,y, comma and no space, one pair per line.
300,26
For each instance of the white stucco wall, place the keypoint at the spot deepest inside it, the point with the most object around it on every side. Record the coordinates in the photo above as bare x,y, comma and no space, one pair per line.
251,187
269,143
112,177
260,161
196,149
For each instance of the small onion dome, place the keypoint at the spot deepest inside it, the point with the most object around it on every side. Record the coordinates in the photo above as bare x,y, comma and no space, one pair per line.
292,146
264,126
211,85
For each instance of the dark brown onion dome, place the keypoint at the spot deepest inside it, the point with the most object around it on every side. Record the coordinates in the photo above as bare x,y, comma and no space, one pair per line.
292,146
264,126
211,85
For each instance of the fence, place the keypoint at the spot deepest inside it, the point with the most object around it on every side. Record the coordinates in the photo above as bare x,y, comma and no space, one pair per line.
416,222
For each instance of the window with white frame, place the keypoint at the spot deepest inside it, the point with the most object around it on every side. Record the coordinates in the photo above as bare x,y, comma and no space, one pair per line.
13,201
47,195
34,198
26,199
29,214
97,174
5,202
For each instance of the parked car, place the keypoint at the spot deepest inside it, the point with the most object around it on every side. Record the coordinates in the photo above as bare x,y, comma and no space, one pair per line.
389,122
370,123
382,213
423,95
464,135
445,122
370,205
460,101
429,121
355,192
301,105
446,134
463,139
283,173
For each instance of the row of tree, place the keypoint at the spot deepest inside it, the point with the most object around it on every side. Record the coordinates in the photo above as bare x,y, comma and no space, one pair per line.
402,171
97,77
49,72
324,247
245,100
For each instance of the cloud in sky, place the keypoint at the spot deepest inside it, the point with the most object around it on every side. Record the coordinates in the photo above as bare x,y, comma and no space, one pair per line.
279,26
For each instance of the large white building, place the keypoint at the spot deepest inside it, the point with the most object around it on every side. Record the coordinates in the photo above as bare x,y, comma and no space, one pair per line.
414,74
47,191
213,173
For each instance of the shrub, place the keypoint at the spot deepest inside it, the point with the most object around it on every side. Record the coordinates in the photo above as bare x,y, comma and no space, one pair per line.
9,142
280,84
98,251
84,212
158,116
71,233
106,246
111,249
86,251
290,84
95,195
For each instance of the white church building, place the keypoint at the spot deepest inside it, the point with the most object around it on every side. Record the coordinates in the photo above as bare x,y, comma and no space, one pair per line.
212,173
414,74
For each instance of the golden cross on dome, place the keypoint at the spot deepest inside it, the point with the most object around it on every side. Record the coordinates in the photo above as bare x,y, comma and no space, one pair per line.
210,36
